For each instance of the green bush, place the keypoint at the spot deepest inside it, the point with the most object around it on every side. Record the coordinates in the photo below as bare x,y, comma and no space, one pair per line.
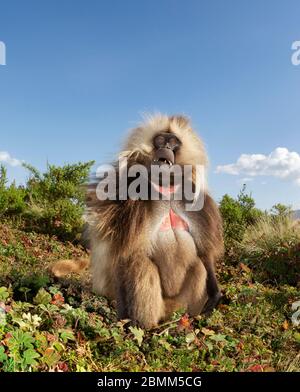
12,198
51,203
55,199
281,211
237,215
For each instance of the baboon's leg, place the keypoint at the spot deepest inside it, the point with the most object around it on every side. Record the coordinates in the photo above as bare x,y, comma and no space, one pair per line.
213,291
193,293
139,294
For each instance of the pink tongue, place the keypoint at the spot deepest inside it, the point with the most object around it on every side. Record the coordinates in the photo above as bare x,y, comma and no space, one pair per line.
166,191
173,221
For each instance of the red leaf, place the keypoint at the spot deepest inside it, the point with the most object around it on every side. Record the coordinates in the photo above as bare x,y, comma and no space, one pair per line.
62,367
50,337
255,368
184,323
58,299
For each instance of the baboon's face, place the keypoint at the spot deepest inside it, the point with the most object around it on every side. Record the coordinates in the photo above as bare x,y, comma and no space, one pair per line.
165,139
166,145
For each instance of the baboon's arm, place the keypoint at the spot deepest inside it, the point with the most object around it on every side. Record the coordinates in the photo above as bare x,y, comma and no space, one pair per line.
139,294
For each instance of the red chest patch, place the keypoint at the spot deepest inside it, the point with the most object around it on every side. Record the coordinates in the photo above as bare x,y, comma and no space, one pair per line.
173,221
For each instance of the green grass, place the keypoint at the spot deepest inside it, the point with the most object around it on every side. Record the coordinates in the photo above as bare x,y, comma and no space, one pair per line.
48,324
272,248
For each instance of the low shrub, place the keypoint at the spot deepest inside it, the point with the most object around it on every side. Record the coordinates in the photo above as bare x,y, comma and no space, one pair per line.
237,215
12,198
272,248
51,203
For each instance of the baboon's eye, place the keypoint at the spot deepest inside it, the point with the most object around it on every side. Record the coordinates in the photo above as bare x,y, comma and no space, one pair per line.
173,142
159,141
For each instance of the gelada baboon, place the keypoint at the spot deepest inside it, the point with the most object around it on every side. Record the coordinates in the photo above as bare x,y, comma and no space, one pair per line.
153,256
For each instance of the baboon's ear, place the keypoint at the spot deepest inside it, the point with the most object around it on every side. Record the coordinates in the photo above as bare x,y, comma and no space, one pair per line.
181,120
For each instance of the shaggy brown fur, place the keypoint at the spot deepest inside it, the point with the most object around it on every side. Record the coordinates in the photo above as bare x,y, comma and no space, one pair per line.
150,272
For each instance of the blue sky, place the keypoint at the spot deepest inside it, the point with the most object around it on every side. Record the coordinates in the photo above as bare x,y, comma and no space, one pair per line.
79,73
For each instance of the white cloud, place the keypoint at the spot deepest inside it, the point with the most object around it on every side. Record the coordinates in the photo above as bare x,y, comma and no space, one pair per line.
281,163
5,157
246,179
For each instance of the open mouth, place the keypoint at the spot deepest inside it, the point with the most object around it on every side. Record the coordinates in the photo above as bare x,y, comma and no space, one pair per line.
164,156
164,161
163,181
